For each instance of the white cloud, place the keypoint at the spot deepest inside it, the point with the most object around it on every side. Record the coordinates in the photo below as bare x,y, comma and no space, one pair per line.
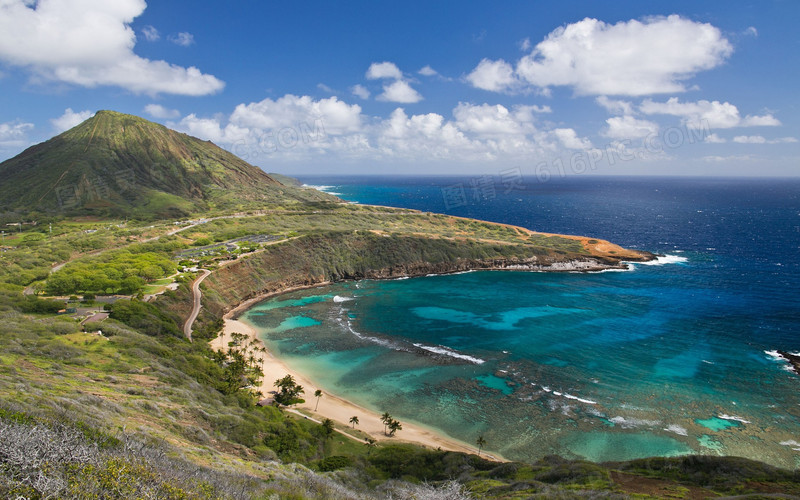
760,121
183,39
615,106
360,91
628,127
399,91
333,129
495,76
14,135
632,58
325,88
337,116
384,70
712,113
428,71
150,33
759,139
715,139
70,119
730,158
90,43
525,45
751,31
160,112
750,139
492,121
569,138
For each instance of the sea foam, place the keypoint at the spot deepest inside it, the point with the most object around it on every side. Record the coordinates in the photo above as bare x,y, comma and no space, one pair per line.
663,260
734,418
446,351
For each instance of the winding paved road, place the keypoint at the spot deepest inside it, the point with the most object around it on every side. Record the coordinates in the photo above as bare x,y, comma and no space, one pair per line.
197,295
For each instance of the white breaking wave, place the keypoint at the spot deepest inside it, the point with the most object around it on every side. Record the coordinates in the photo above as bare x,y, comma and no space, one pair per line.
612,270
794,444
566,395
385,343
725,416
324,189
339,299
576,398
677,429
449,352
628,423
776,356
662,260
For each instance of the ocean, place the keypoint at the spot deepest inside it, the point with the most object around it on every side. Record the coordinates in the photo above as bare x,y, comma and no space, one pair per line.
673,357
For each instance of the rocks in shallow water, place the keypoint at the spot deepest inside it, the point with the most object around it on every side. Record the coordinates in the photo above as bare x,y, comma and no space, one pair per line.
793,359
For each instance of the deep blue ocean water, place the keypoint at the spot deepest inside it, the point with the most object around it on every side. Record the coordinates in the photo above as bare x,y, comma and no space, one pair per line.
659,360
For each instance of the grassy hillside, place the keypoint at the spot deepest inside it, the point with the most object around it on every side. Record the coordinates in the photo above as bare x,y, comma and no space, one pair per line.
117,164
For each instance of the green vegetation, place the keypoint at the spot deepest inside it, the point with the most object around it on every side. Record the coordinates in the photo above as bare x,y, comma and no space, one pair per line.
129,408
289,391
121,164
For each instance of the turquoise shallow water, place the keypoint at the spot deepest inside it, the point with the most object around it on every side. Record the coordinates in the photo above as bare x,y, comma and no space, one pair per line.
661,360
596,366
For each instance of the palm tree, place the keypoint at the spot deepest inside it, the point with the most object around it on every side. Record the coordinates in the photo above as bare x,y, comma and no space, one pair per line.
317,394
385,418
481,443
394,426
369,443
327,427
354,421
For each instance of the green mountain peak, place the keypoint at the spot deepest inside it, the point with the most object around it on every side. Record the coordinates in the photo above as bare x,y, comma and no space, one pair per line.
120,164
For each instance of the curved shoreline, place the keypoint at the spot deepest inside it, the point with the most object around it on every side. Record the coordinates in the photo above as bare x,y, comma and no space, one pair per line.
331,405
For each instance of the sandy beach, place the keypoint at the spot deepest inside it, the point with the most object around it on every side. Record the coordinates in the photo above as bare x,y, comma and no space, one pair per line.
335,407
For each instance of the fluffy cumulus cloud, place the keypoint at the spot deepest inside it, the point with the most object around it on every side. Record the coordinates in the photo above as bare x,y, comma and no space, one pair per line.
384,70
569,138
292,111
396,90
486,120
628,127
90,43
634,58
428,71
14,135
495,76
293,128
160,112
399,91
713,114
70,119
360,91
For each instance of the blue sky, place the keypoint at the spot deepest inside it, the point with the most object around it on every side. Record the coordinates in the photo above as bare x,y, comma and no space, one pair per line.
648,88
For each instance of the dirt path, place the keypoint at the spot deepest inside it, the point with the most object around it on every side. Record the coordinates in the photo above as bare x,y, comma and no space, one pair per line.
197,295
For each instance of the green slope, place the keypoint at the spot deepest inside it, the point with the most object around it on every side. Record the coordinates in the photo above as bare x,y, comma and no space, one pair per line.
118,164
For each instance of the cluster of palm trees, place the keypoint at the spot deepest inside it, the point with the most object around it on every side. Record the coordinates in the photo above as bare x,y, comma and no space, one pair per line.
242,364
290,391
390,424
